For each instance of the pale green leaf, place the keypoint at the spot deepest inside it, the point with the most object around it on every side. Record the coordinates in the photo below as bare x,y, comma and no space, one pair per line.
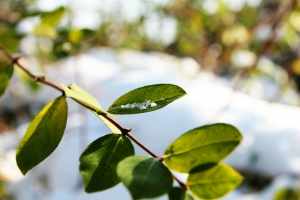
83,97
6,71
144,177
201,146
178,193
49,21
43,135
53,17
80,95
79,35
99,160
146,99
214,182
112,127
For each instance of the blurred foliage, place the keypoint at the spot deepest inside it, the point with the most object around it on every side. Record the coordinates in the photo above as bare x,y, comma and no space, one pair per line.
286,194
3,192
249,39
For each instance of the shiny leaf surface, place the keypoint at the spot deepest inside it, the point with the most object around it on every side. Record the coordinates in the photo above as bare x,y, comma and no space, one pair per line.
99,160
146,99
201,146
144,177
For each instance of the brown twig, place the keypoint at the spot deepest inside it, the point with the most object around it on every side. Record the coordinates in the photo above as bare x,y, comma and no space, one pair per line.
183,185
41,79
124,131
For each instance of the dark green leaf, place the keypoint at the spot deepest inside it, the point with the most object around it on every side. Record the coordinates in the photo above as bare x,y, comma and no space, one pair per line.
6,71
214,182
99,160
80,95
146,99
43,135
205,145
144,177
178,193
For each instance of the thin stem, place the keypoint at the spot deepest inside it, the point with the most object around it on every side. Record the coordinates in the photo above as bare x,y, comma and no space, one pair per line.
158,158
41,79
124,131
180,182
116,124
6,53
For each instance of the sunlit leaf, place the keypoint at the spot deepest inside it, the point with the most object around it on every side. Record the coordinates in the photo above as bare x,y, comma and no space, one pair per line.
6,70
294,19
43,135
49,21
80,95
45,30
144,177
205,145
178,193
53,17
78,35
214,182
146,99
99,160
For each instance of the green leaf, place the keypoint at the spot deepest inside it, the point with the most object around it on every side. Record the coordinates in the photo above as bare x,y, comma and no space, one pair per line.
146,99
99,160
78,35
80,95
214,182
53,17
48,22
201,147
43,135
144,177
178,193
6,72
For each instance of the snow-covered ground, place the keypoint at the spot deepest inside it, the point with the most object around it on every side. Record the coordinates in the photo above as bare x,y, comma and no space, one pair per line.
271,131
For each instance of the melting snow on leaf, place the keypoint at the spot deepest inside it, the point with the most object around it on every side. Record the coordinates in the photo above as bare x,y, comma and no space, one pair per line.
140,106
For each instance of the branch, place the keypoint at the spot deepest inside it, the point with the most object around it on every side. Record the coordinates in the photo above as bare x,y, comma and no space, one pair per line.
180,183
40,79
125,131
275,16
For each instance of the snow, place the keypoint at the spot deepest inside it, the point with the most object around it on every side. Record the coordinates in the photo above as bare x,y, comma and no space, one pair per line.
142,106
270,130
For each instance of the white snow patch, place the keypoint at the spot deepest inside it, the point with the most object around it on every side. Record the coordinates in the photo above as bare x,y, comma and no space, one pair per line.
141,106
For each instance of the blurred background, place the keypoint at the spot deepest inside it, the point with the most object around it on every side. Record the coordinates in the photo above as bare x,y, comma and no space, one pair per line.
239,61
